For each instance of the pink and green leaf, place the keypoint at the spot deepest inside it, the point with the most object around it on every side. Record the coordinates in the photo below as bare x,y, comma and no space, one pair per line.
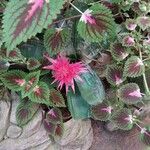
25,111
123,119
32,80
130,93
102,111
54,115
134,67
49,127
14,79
24,19
103,24
119,52
143,22
40,94
114,75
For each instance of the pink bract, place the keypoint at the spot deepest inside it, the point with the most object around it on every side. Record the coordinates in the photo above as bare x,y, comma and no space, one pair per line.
65,72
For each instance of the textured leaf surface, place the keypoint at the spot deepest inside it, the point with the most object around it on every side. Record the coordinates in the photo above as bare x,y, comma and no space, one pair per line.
145,136
114,75
14,79
40,93
54,115
32,49
143,22
134,67
130,93
23,19
104,25
56,98
91,88
49,127
78,107
101,111
32,80
123,119
25,111
33,64
59,131
119,52
55,39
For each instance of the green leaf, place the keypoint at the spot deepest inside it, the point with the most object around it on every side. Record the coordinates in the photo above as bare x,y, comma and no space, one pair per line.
55,39
33,64
25,112
123,119
114,75
54,115
32,80
134,67
102,111
145,135
118,51
13,80
32,49
78,107
104,25
91,87
24,19
130,93
56,98
40,94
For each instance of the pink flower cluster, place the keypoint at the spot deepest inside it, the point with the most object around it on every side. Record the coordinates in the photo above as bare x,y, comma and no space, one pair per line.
65,72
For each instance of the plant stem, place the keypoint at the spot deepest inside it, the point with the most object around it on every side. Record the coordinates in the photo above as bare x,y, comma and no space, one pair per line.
144,76
76,8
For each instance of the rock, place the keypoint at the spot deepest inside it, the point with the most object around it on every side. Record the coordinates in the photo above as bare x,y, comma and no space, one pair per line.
4,117
15,103
78,135
34,135
14,131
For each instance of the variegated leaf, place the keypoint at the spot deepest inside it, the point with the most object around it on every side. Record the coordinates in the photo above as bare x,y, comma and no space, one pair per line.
40,94
131,24
114,75
56,98
130,93
123,119
32,80
59,131
54,115
101,111
33,64
14,79
128,41
134,67
25,111
25,18
98,24
119,52
55,39
49,127
143,22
